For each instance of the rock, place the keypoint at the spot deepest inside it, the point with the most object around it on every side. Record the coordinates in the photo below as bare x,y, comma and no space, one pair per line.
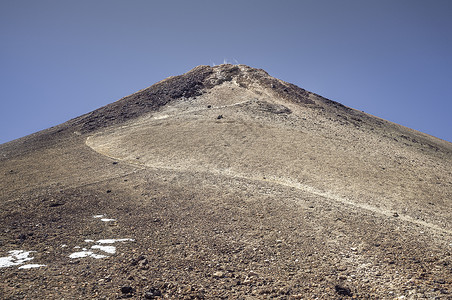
247,280
343,291
127,290
251,277
220,117
252,274
152,293
22,237
342,268
55,204
218,274
395,214
143,262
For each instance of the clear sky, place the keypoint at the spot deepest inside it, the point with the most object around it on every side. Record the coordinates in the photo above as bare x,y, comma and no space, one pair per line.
60,59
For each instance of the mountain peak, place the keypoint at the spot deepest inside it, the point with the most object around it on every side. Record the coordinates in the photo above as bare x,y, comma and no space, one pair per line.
191,84
226,174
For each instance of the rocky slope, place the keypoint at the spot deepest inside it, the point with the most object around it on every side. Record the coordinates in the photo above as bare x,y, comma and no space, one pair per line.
225,182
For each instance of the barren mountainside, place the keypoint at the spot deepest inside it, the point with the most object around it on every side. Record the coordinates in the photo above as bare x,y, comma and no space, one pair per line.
225,182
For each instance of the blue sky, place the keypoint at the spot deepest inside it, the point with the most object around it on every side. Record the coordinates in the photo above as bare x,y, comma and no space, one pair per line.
60,59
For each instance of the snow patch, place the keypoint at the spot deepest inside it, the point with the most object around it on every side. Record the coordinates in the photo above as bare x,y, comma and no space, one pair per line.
15,257
90,253
108,249
98,245
112,241
107,220
86,254
31,266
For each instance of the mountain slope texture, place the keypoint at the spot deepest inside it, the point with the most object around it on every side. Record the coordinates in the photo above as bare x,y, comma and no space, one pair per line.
225,182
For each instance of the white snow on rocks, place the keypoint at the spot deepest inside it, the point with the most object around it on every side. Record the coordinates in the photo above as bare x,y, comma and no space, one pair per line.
86,253
99,246
108,249
18,257
103,219
31,266
99,249
112,241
